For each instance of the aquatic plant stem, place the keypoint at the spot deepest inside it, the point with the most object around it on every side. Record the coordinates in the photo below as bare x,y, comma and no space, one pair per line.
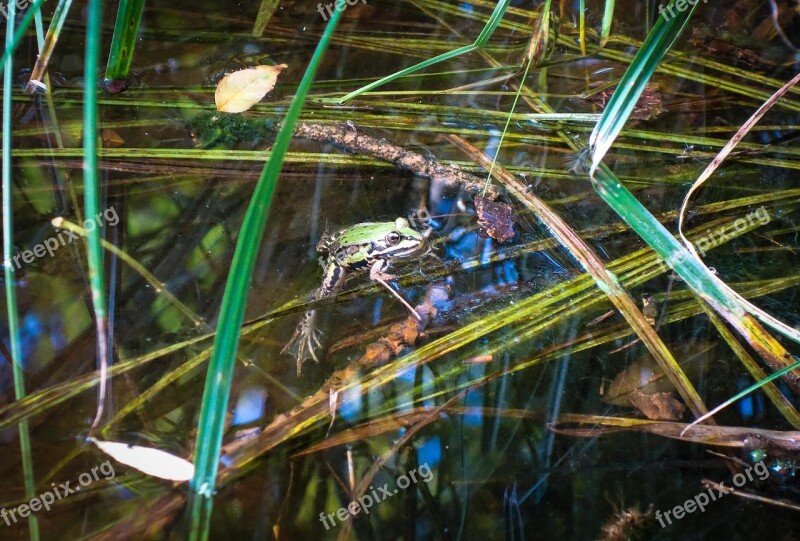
91,196
226,342
16,38
10,278
126,29
608,18
47,47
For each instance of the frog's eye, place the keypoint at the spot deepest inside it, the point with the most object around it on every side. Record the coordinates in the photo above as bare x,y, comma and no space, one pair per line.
393,238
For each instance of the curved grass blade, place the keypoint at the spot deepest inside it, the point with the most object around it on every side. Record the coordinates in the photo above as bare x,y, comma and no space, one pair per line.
226,342
10,279
91,195
757,385
664,34
726,302
480,41
695,274
762,316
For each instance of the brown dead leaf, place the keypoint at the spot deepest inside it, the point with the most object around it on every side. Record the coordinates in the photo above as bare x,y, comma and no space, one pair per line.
644,374
112,139
657,406
496,219
240,90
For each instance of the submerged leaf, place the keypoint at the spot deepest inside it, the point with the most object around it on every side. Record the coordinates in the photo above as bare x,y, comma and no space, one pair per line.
646,376
657,406
154,462
240,90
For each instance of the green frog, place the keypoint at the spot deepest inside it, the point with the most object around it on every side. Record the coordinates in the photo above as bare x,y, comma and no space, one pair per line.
369,245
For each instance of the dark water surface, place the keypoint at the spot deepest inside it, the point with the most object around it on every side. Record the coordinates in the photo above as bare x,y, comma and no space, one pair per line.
466,431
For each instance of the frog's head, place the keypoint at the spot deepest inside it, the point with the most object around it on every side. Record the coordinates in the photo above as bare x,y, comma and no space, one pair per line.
401,240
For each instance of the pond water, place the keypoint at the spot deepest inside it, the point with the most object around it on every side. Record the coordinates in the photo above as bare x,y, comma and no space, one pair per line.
456,427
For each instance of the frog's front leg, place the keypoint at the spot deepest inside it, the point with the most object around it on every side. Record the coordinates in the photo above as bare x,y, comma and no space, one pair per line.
377,271
377,274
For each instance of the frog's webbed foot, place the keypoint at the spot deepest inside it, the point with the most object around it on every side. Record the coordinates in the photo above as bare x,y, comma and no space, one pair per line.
304,341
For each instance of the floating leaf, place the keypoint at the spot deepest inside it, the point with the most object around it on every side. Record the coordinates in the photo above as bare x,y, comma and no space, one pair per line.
148,460
240,90
496,219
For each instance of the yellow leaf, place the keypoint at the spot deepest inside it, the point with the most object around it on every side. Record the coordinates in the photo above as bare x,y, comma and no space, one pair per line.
240,90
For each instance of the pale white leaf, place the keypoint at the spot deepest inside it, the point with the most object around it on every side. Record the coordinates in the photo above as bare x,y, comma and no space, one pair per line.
149,460
240,90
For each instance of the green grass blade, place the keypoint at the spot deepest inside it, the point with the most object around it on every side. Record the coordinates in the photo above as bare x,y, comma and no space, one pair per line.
741,394
664,34
582,25
226,342
608,18
126,28
10,279
39,24
265,13
402,73
644,64
696,275
91,190
48,43
480,41
492,23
